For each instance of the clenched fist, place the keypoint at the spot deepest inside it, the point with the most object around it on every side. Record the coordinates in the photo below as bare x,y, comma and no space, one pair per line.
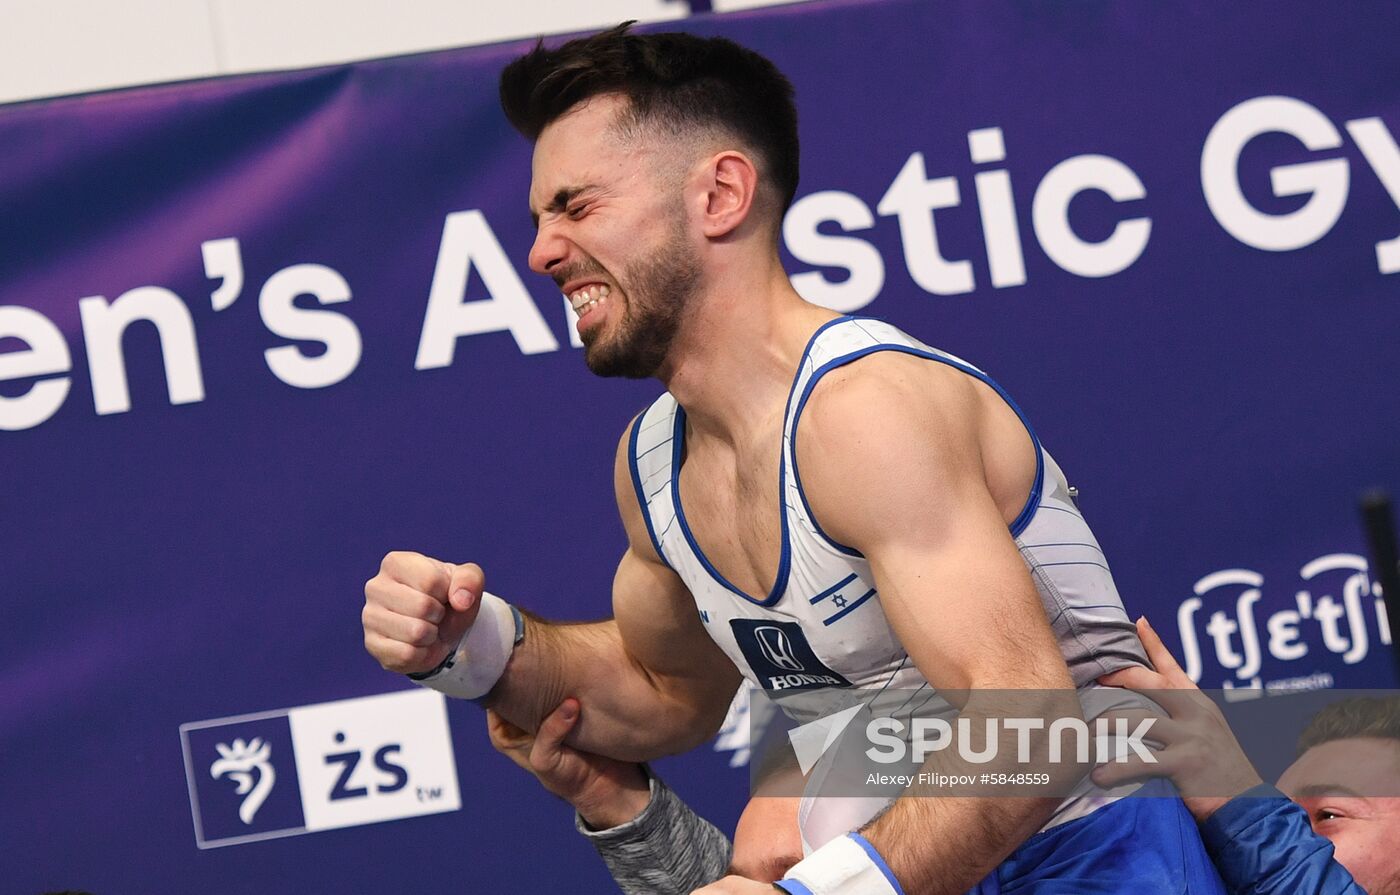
417,609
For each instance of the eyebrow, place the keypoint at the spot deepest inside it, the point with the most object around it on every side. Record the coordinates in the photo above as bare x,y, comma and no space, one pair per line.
561,200
1318,790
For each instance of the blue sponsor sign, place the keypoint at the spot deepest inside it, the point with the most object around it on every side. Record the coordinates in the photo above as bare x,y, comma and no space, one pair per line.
242,775
781,657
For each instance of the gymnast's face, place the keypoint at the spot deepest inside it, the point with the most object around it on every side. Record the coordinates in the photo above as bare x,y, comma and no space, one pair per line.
612,233
1351,790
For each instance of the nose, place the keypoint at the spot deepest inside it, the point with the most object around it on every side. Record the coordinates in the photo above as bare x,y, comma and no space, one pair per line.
549,250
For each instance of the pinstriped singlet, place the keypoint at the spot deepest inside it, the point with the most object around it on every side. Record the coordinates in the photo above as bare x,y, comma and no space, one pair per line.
822,624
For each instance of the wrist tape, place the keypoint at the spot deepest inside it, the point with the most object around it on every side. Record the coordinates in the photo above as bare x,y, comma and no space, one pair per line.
474,667
847,865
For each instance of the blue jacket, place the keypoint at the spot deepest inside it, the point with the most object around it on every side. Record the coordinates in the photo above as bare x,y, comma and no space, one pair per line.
1262,844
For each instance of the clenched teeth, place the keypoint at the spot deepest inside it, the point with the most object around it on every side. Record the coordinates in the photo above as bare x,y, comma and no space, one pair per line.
587,297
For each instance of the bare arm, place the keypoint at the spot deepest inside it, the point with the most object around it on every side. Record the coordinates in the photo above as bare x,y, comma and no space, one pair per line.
893,460
650,680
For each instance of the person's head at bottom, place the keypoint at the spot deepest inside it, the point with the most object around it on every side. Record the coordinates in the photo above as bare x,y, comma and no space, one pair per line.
1347,776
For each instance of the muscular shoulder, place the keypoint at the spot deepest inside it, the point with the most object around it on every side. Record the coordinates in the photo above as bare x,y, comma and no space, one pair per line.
885,400
628,502
888,435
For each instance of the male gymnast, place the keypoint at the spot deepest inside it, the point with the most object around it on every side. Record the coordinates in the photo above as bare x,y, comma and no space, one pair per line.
911,533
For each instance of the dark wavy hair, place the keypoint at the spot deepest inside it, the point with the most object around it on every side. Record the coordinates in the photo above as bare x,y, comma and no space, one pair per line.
673,82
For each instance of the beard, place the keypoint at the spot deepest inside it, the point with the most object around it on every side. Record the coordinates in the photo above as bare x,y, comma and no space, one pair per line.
658,291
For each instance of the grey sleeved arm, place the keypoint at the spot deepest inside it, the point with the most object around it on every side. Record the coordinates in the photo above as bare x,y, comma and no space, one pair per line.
666,849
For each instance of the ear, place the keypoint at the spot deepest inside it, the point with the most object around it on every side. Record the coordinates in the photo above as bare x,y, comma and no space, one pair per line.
730,181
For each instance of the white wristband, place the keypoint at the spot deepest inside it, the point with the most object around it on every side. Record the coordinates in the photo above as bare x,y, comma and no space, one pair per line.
847,865
480,659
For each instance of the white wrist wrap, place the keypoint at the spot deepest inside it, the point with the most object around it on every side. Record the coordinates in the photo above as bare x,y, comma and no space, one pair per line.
480,659
844,867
